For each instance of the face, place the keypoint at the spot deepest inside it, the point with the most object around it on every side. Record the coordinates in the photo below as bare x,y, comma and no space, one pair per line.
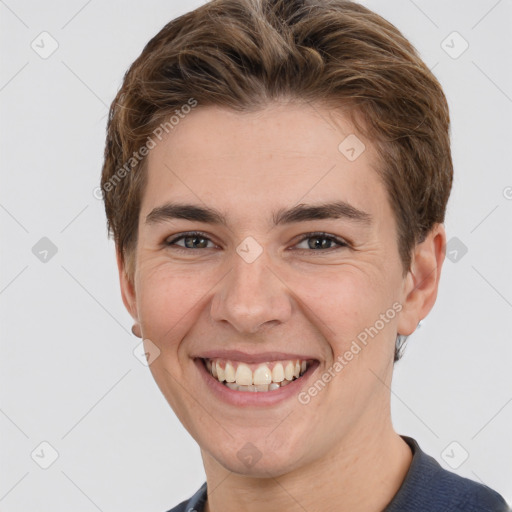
239,262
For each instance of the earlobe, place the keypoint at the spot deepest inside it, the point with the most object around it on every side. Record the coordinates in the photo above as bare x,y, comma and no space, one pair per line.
422,282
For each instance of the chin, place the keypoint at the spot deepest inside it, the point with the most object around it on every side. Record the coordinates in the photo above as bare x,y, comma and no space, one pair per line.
255,459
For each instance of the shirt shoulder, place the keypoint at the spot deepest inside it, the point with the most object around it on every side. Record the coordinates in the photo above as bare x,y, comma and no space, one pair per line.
180,507
195,503
430,488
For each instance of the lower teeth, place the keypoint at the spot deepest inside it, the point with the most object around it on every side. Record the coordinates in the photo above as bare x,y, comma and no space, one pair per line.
265,387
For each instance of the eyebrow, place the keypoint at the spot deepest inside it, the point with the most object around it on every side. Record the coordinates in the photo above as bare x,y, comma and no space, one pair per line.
299,213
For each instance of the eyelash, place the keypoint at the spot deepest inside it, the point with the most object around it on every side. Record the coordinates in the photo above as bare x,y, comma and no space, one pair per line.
341,243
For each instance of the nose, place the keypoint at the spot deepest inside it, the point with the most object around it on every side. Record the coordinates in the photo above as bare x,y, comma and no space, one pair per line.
251,295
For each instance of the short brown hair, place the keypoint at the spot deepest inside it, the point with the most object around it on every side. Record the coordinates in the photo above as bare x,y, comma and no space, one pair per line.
243,54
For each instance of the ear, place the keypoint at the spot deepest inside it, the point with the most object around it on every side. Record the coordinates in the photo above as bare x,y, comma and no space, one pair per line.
422,281
127,288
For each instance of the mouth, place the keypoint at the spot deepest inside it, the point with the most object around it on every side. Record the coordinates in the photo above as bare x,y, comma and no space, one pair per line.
264,377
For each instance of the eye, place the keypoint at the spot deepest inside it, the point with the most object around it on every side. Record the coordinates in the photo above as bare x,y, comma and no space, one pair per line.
321,241
192,240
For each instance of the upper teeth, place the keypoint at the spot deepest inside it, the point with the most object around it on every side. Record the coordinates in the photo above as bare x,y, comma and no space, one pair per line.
261,374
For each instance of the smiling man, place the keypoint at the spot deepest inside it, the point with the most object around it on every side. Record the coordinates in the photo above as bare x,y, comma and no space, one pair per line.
276,175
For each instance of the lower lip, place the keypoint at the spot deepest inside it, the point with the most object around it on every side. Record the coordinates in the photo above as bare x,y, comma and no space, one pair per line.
254,398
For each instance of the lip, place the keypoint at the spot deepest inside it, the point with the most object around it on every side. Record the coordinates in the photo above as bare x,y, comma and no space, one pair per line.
262,357
254,398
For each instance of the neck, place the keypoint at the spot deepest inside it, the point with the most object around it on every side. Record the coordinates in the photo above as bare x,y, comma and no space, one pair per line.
361,474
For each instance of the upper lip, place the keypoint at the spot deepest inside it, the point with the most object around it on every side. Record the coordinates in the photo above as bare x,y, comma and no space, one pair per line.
262,357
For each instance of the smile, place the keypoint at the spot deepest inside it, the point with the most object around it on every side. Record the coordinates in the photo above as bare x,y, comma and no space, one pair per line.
262,377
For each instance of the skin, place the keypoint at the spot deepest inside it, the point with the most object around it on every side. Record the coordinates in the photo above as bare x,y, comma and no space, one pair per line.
291,298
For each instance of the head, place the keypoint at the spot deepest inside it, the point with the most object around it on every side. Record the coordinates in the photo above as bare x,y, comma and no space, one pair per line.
251,114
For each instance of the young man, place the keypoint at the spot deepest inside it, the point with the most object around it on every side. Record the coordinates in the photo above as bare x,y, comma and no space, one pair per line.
276,175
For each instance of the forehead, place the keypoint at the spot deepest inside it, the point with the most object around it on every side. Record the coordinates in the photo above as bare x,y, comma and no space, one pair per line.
280,155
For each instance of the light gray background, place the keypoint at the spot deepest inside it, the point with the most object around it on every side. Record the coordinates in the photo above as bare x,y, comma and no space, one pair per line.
68,373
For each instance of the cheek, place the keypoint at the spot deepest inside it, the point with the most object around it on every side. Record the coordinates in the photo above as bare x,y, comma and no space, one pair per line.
353,310
167,300
342,300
